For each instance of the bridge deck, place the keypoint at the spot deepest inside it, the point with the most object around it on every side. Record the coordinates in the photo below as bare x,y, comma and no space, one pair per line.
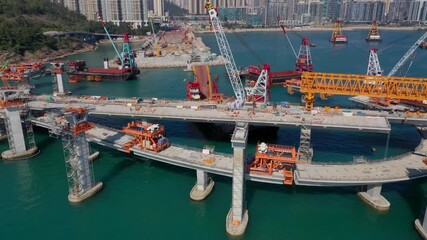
218,113
405,167
400,168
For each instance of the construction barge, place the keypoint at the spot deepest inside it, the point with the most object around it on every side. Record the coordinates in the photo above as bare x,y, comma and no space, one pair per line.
337,36
373,34
78,71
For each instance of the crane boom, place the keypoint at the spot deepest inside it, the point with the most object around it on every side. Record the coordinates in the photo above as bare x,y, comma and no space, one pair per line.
282,25
109,37
407,55
225,50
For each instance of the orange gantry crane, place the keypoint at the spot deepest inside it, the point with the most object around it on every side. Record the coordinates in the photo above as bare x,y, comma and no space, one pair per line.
271,158
392,87
147,136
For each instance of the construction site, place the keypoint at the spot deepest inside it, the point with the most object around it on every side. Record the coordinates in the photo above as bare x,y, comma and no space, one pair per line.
178,48
65,116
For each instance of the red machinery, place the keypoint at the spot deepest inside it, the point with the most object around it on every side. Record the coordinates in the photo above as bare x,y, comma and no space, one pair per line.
271,158
147,136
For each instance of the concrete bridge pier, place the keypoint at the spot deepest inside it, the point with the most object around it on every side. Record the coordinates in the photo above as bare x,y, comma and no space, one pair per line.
421,225
203,186
237,217
3,134
80,175
15,134
373,197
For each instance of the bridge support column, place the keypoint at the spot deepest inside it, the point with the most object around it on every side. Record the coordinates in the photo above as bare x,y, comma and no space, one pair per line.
203,186
81,179
305,151
3,134
15,135
373,197
237,217
58,82
421,225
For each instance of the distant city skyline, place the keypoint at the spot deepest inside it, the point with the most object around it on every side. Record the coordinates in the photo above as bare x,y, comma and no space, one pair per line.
134,12
259,12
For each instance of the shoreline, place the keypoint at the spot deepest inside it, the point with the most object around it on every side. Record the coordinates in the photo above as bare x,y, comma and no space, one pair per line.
85,49
316,29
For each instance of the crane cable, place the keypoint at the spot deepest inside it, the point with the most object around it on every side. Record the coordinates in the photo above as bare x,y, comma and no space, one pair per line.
246,45
282,25
410,64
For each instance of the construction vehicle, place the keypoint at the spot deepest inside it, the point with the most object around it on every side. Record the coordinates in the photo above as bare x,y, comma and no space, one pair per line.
373,34
270,158
128,69
147,136
337,36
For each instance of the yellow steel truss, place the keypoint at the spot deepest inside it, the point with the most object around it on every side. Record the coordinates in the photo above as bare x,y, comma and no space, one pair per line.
357,84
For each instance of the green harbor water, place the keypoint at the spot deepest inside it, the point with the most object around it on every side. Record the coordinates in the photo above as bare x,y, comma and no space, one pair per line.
144,199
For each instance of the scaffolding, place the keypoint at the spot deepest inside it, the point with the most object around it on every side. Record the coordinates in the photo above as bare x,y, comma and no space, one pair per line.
79,169
9,133
26,115
305,151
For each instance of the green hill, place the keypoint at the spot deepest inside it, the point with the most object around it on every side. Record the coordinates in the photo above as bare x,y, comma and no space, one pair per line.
22,23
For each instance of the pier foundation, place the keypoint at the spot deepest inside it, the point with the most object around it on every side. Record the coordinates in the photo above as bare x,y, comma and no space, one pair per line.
203,186
373,197
238,216
421,225
15,135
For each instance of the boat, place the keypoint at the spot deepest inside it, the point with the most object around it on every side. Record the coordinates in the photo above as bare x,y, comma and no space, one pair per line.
77,70
373,34
423,45
337,36
253,72
312,45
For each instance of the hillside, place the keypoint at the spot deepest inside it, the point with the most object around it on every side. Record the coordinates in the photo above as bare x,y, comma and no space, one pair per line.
23,22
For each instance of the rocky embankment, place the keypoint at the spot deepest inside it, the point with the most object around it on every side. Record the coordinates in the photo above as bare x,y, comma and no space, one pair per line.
46,54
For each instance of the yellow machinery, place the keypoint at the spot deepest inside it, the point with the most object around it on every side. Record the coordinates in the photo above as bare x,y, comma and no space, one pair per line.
406,88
